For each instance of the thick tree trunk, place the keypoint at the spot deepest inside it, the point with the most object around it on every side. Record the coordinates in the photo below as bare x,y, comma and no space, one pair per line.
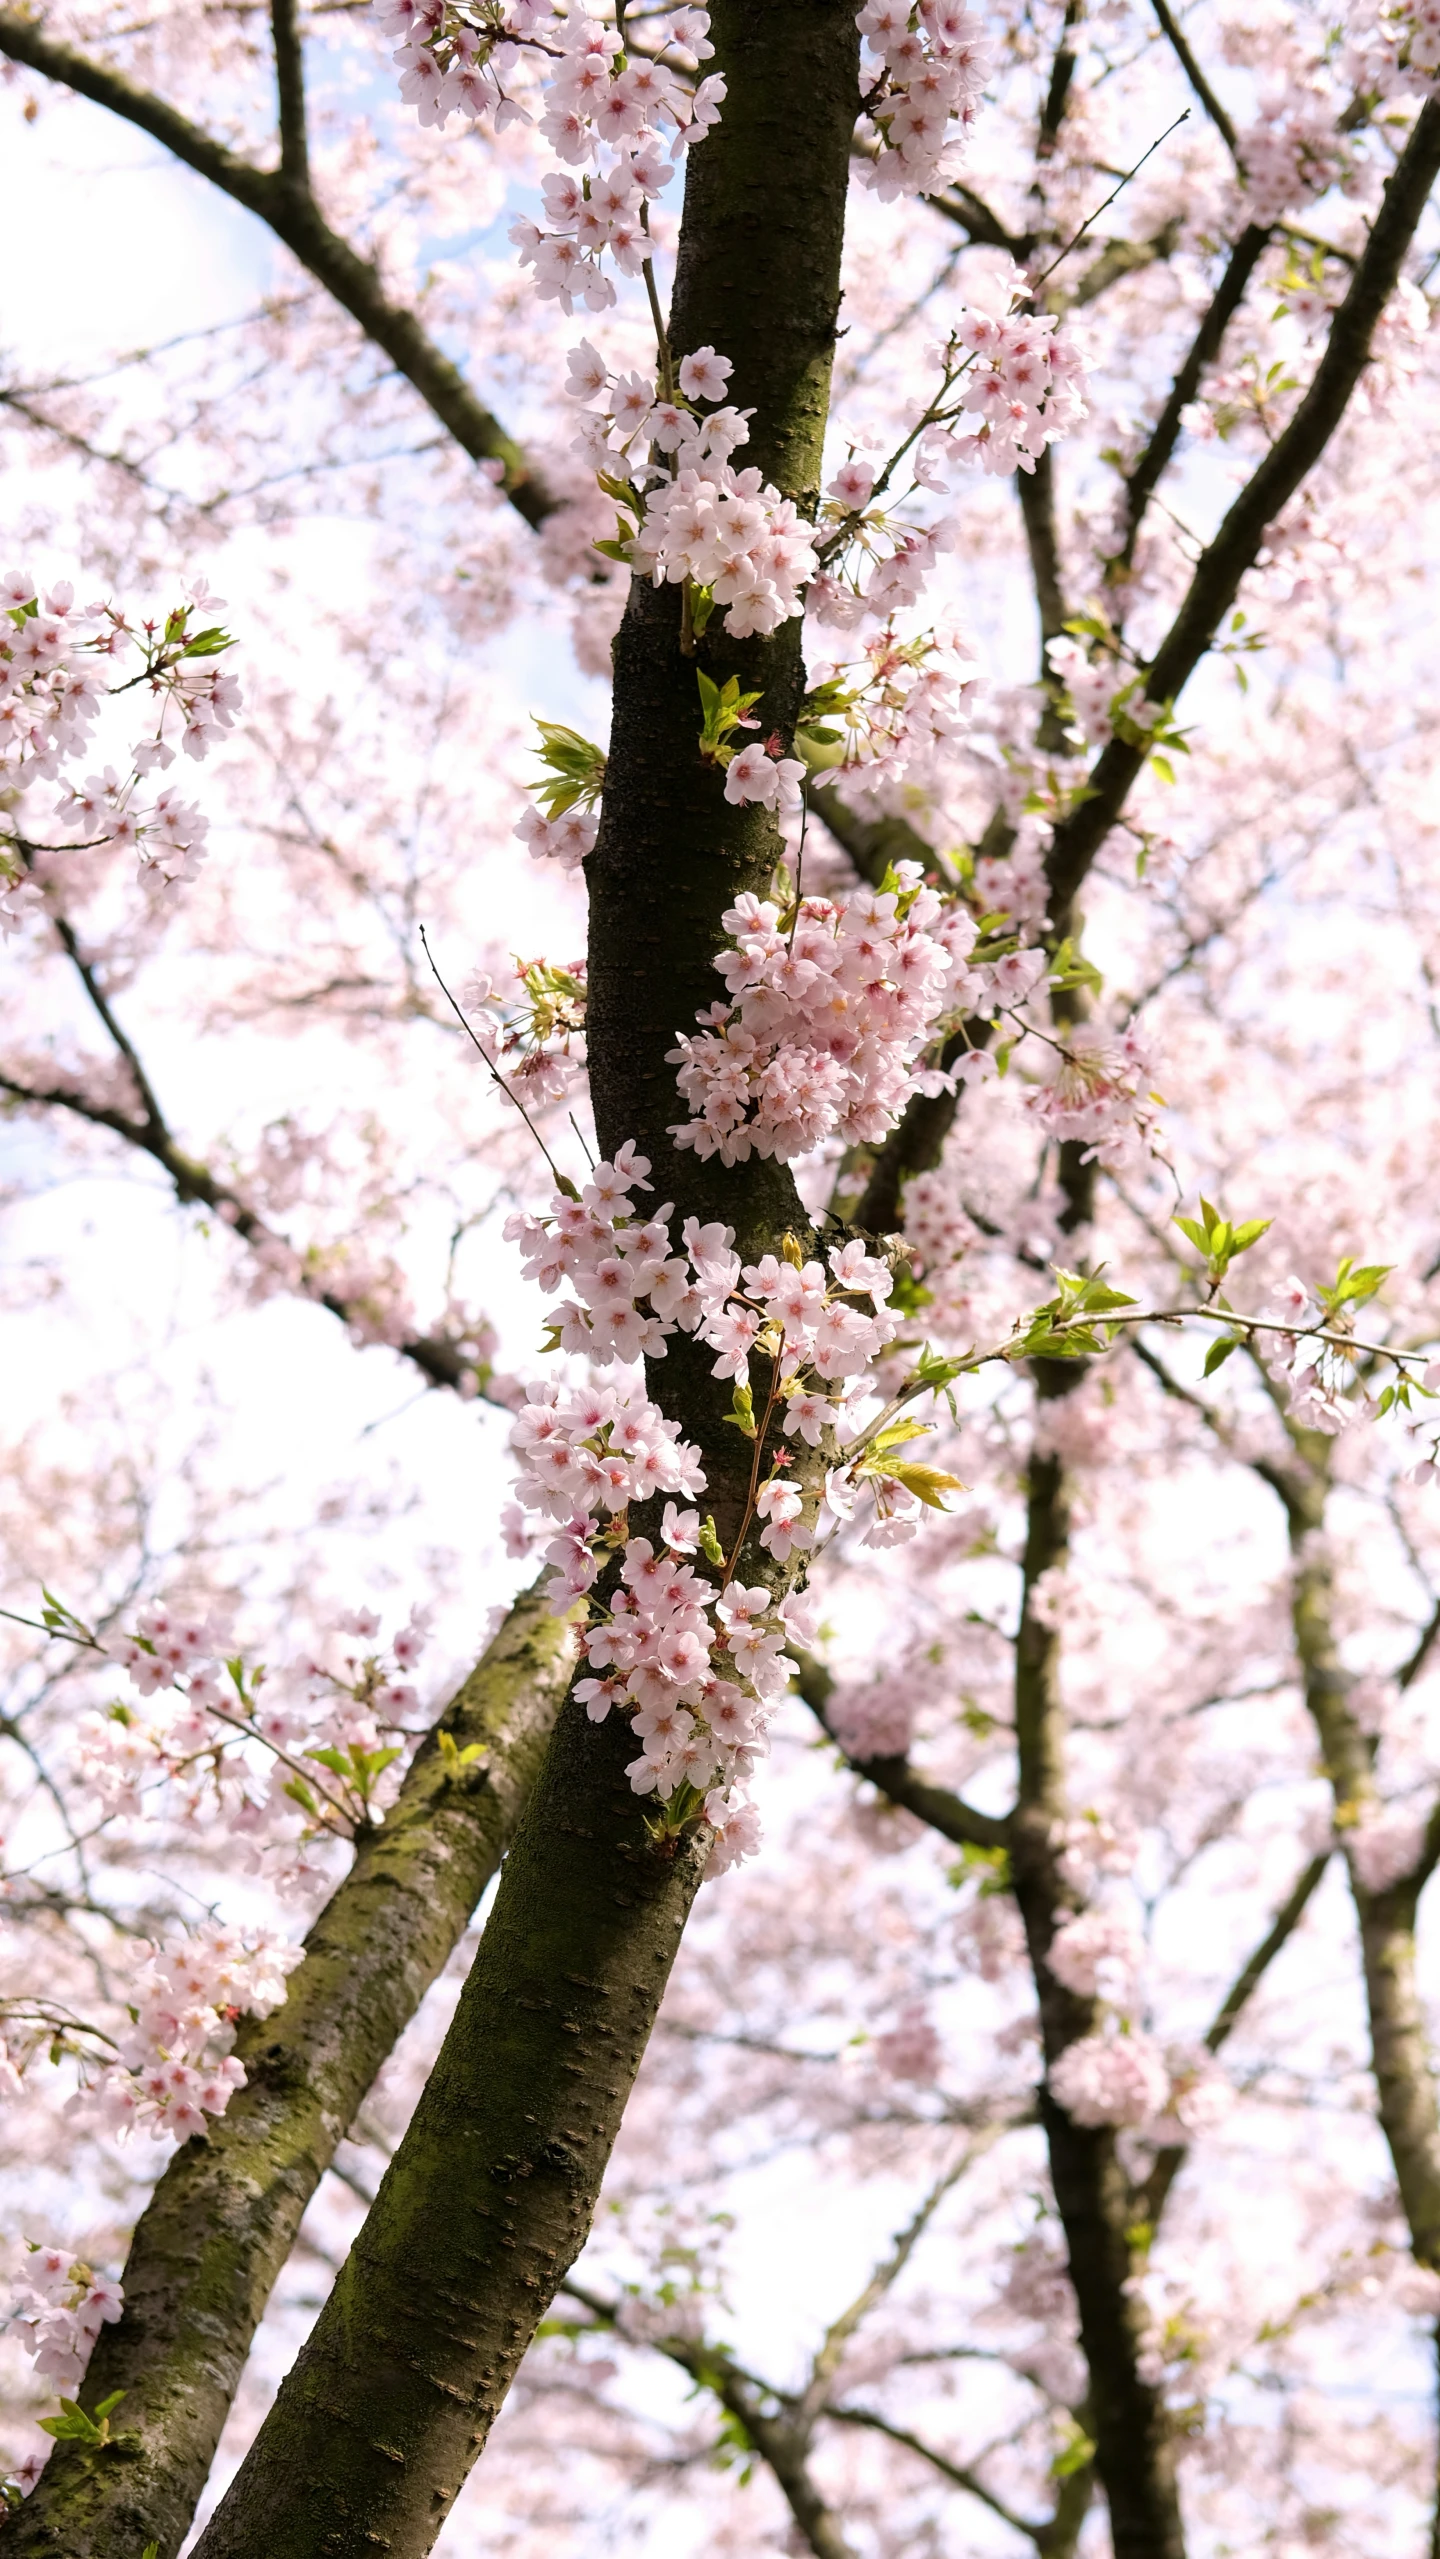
488,2200
223,2218
490,2196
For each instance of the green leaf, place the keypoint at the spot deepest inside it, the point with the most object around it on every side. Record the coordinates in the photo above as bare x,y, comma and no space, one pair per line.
1250,1233
898,1435
724,708
709,1543
576,769
1353,1286
1219,1352
741,1415
454,1757
1076,2453
373,1763
1070,968
992,1865
929,1483
74,2426
299,1793
331,1758
1215,1237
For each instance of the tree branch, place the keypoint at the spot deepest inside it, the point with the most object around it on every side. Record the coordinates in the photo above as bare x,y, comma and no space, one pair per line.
1400,2047
286,205
1170,2161
438,1360
224,2215
1233,550
1037,508
783,2445
1178,42
894,1778
1144,477
290,93
826,2363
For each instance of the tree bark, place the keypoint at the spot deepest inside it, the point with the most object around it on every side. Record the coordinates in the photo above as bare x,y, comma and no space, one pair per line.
223,2218
489,2197
1399,2041
1133,2450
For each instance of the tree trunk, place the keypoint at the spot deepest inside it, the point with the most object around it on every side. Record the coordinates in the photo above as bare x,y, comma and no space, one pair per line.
490,2196
223,2218
1133,2451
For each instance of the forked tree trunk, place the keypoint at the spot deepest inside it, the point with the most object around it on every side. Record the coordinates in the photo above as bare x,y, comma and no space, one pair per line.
490,2196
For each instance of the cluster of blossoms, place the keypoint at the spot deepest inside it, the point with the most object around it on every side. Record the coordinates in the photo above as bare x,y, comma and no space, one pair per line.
903,708
1023,388
928,66
822,1333
1096,1953
1009,386
1121,2076
541,1044
176,2065
566,839
632,1290
604,113
1129,2081
696,1665
278,1770
1417,31
60,2304
936,1226
736,540
602,103
1100,1095
1295,151
1386,1843
826,1021
1316,1375
1091,686
55,662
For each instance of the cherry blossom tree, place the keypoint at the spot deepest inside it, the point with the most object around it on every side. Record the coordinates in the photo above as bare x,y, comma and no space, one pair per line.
942,1292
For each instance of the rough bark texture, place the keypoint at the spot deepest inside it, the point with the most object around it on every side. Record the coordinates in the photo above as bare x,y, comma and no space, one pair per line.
489,2198
223,2218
